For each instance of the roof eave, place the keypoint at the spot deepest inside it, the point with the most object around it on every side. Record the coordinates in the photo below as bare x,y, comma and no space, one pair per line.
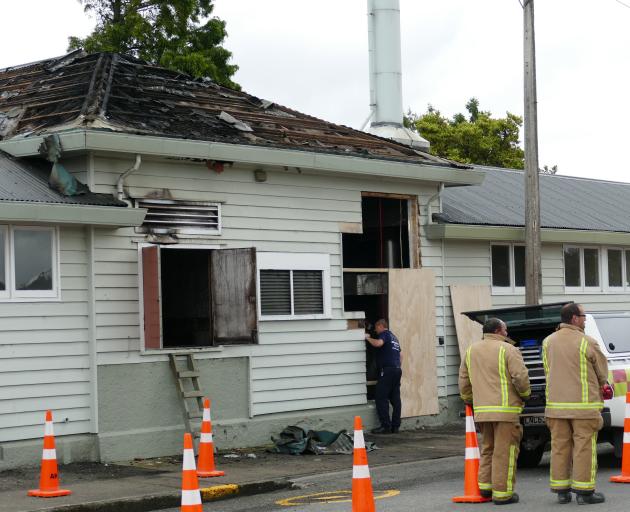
473,232
306,161
76,214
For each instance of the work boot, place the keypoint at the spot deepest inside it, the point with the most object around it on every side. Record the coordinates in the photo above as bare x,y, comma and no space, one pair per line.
485,493
591,499
381,430
511,499
564,497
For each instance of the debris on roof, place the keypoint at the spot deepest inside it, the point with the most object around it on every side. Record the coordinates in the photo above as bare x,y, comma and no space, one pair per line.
117,92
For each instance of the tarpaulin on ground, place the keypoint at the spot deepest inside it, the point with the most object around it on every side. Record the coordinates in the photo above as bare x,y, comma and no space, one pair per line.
295,440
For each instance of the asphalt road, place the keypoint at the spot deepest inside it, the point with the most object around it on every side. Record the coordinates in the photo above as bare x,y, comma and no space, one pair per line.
420,486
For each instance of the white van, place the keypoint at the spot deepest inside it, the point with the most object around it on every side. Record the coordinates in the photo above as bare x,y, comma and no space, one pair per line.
529,326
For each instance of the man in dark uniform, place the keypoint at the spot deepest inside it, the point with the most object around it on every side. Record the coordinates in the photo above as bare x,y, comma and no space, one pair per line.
390,372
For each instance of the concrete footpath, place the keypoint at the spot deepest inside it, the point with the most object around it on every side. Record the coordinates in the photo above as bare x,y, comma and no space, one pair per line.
153,484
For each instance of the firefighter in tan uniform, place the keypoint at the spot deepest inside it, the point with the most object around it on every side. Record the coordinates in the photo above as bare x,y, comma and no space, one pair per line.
576,371
493,377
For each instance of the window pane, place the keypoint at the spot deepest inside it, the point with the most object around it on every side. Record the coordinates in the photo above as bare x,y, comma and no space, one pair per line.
519,266
308,293
33,259
500,265
3,278
627,268
572,266
275,292
614,267
591,267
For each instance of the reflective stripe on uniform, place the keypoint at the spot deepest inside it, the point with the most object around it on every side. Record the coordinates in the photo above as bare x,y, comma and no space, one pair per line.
583,371
575,405
545,366
468,363
502,495
559,484
503,378
484,486
511,463
497,408
593,457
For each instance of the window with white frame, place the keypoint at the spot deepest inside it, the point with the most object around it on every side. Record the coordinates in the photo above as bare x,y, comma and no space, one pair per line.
293,285
508,268
28,263
582,268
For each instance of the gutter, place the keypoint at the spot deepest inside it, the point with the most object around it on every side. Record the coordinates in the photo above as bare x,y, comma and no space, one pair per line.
75,214
307,162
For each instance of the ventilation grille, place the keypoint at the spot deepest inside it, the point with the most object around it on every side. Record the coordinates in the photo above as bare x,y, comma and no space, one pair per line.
186,217
276,287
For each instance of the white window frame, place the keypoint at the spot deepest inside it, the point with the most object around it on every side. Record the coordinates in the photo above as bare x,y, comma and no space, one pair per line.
295,261
13,295
603,270
512,289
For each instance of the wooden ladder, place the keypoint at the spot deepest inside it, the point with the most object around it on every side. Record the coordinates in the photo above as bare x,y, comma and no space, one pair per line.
187,378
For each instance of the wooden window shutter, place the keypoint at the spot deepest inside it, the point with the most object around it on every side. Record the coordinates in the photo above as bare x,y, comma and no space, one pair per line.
233,285
151,296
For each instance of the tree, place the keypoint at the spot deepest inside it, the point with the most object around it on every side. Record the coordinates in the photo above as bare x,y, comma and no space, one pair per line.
177,34
476,139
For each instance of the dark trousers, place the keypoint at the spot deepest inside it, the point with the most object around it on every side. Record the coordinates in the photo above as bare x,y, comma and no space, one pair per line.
388,391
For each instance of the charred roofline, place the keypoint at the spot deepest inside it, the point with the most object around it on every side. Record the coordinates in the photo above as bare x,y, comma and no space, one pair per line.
81,140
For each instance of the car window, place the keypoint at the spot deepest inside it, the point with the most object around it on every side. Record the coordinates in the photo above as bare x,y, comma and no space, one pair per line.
615,332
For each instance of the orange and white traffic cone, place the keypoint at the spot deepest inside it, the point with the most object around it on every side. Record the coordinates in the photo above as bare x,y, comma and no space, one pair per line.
191,497
362,496
471,464
624,477
49,476
205,462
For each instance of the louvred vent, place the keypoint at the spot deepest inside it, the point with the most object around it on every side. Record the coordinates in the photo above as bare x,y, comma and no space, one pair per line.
185,217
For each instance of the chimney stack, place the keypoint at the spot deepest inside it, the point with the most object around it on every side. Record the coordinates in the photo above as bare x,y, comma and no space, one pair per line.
386,75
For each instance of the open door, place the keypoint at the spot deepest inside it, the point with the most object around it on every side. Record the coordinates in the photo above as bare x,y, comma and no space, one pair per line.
151,296
233,285
412,320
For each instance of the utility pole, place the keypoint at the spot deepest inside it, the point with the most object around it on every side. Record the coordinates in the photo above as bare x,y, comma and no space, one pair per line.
533,277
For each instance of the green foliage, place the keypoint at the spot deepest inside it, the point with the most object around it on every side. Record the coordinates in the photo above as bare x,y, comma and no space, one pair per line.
176,34
476,139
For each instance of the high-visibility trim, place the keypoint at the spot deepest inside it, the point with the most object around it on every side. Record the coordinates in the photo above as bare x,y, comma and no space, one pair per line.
593,457
626,437
502,494
587,486
206,415
559,483
472,453
498,408
466,397
189,460
206,437
545,366
470,424
191,497
503,378
511,463
359,441
484,486
583,370
525,394
48,428
468,363
575,405
49,454
627,410
360,472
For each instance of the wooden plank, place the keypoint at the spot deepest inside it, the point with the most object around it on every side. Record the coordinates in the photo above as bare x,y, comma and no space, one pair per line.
412,320
466,297
151,297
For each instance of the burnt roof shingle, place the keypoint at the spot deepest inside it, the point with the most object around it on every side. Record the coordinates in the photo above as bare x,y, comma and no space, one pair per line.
116,92
566,202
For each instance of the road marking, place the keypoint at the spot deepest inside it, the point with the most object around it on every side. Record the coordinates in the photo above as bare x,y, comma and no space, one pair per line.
331,497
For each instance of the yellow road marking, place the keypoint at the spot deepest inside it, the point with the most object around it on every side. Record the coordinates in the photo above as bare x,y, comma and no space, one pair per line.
343,496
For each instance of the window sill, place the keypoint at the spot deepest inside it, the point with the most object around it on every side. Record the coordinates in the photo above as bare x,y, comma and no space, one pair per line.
55,298
181,351
353,315
507,291
294,317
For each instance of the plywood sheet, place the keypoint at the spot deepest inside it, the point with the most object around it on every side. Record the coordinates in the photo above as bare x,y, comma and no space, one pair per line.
412,320
466,297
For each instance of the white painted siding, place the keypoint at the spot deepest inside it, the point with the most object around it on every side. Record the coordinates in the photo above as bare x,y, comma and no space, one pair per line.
44,361
298,364
469,263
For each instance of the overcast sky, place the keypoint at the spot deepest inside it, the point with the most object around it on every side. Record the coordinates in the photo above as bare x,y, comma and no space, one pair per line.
312,56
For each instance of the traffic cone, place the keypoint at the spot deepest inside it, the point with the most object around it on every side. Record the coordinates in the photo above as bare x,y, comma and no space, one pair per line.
49,477
191,497
624,477
205,462
362,496
471,464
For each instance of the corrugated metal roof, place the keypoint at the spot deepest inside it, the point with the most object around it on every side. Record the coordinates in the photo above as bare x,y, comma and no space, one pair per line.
116,92
565,202
27,181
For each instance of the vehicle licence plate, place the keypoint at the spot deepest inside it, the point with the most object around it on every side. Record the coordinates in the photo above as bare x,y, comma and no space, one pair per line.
533,420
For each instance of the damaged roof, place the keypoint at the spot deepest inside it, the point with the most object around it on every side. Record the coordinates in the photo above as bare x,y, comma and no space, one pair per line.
119,93
27,181
566,202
